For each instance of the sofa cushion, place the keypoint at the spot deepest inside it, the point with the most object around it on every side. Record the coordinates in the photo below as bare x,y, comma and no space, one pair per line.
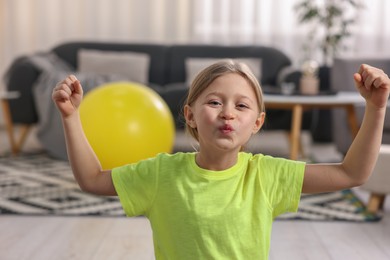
156,52
195,65
130,65
272,59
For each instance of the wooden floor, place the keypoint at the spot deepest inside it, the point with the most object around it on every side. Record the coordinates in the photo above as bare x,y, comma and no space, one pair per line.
84,238
42,238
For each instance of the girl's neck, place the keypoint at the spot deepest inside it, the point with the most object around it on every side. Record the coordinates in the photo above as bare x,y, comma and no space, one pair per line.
216,161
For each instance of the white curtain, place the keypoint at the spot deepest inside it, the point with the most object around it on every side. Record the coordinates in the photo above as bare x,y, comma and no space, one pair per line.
275,23
28,26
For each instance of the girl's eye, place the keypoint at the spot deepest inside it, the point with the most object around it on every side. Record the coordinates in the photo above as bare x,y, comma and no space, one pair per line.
214,103
242,106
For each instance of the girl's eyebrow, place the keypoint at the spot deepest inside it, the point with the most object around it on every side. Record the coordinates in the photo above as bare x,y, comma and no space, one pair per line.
214,94
219,94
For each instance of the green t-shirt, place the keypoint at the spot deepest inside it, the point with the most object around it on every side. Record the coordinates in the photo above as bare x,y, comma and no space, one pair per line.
202,214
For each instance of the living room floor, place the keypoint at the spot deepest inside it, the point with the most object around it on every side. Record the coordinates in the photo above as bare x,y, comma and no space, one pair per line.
25,237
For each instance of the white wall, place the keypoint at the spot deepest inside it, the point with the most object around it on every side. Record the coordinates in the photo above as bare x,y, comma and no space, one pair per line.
29,26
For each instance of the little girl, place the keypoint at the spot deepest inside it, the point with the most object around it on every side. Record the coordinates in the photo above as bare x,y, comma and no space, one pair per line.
219,202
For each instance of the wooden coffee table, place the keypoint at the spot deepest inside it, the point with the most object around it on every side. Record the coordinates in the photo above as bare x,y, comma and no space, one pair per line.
298,103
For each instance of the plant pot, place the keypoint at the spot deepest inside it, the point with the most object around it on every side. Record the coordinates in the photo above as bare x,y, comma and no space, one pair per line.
309,85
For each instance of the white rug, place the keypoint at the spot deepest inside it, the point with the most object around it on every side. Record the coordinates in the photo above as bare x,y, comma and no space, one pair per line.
39,185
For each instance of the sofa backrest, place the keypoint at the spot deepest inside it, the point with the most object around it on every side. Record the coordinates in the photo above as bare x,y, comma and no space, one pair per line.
343,69
168,62
156,52
272,60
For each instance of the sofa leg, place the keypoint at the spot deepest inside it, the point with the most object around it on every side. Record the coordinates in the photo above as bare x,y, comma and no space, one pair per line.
15,146
375,202
17,143
24,130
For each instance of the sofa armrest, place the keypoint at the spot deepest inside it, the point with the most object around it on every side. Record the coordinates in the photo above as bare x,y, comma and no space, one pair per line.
343,69
342,80
20,77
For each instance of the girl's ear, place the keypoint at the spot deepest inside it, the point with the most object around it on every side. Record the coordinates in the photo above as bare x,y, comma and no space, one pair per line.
258,123
189,116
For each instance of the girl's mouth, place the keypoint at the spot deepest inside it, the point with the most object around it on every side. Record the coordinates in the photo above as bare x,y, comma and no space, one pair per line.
225,129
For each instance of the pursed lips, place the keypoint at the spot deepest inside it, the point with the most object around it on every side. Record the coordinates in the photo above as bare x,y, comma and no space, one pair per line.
226,129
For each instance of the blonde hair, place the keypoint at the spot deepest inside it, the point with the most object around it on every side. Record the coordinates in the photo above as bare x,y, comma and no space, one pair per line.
209,74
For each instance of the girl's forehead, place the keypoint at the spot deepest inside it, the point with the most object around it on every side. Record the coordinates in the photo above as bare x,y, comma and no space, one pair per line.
230,83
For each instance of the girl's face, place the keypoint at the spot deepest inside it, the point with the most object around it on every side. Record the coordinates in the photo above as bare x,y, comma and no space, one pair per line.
226,114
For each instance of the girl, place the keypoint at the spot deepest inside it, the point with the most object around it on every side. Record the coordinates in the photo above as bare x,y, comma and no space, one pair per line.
219,202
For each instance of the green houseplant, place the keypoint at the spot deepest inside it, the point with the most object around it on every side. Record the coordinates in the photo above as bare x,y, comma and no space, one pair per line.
330,23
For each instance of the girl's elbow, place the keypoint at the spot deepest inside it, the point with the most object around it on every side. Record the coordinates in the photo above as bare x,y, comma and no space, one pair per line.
100,184
355,177
86,187
355,182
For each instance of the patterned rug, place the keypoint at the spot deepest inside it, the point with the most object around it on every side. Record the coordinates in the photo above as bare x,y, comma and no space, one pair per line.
39,185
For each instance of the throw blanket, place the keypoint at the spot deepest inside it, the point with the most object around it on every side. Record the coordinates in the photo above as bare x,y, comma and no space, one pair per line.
49,128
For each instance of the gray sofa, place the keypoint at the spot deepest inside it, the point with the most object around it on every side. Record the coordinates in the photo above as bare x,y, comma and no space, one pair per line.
167,71
342,80
166,74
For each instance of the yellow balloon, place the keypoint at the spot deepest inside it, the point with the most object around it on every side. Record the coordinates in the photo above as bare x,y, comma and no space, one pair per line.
126,122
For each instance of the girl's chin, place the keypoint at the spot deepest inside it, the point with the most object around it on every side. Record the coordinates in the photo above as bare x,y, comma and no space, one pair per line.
226,145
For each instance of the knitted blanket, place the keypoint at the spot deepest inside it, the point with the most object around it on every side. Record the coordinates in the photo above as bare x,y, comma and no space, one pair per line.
53,70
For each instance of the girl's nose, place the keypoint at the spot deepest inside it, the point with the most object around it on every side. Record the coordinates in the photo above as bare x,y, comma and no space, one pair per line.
227,113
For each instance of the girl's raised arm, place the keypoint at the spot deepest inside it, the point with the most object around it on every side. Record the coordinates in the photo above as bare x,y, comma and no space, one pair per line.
67,96
358,164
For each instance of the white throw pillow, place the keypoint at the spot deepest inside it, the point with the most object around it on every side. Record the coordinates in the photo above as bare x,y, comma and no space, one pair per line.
195,65
132,66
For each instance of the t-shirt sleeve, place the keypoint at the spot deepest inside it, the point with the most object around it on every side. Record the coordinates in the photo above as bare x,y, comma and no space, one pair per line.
282,181
136,186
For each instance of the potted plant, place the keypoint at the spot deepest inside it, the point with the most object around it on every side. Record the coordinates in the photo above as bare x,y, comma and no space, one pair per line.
329,22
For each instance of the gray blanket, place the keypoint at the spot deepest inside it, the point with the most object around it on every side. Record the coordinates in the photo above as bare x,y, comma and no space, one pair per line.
49,129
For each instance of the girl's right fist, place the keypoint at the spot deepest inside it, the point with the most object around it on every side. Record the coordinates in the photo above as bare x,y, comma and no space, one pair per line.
67,95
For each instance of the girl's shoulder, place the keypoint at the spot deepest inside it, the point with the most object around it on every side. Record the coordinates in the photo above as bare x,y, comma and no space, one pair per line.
268,160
